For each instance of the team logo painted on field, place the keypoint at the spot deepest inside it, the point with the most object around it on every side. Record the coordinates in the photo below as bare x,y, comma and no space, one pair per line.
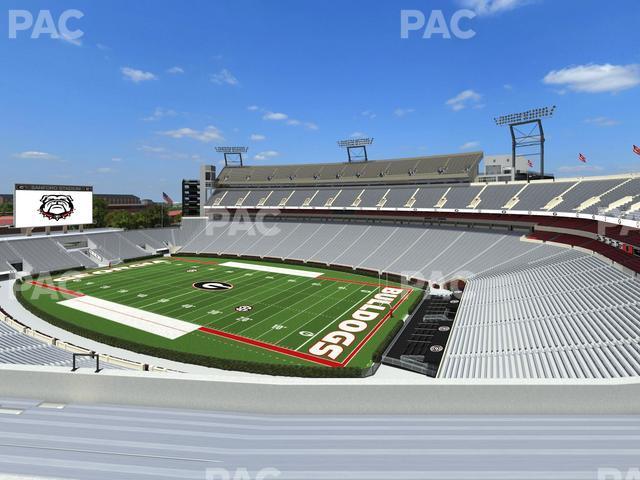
351,331
212,286
244,308
56,207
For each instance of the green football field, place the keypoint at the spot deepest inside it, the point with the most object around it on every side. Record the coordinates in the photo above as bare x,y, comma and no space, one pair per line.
226,312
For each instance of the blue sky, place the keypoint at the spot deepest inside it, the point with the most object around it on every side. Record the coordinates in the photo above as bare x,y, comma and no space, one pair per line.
144,96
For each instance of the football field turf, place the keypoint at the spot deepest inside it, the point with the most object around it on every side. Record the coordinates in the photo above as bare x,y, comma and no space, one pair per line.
235,310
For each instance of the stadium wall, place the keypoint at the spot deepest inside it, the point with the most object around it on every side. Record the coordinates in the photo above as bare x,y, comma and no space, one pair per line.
316,396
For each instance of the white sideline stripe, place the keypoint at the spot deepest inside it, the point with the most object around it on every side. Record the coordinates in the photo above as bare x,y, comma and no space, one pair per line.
160,325
264,268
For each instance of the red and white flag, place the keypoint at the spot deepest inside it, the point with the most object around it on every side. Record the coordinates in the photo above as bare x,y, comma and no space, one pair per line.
636,150
582,158
167,199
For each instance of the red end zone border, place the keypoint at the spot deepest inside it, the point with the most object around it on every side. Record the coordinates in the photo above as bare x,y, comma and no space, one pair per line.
57,289
306,356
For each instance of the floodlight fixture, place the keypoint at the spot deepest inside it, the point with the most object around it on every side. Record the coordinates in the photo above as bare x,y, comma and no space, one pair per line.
355,142
357,145
233,152
527,116
526,142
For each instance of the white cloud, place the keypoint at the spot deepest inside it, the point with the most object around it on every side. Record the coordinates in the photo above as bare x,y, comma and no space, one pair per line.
224,77
369,114
257,137
77,42
401,112
35,155
160,113
490,7
507,86
102,46
137,76
209,134
464,99
469,145
278,116
266,155
594,78
151,149
175,70
105,170
602,121
253,108
579,169
283,117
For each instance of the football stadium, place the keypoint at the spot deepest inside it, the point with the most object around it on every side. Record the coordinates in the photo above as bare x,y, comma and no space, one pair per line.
429,272
286,275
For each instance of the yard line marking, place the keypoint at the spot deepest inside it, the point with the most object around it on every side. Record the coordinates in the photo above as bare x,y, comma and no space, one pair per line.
333,321
231,298
271,347
276,285
306,310
285,299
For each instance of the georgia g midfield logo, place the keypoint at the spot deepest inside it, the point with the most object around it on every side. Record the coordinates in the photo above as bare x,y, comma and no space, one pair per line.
56,207
213,286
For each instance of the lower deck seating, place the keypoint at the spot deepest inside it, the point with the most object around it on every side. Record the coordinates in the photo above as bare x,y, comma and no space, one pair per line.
18,348
565,316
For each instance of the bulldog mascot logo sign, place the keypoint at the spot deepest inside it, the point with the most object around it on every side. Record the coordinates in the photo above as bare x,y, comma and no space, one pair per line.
56,207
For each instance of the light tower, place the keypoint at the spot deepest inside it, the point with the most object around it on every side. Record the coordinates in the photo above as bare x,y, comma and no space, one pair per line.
528,140
232,152
359,145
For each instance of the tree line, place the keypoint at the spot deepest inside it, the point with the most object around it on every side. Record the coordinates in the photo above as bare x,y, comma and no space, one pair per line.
150,217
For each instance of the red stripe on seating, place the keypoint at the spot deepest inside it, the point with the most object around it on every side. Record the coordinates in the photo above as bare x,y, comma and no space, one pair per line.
57,289
271,347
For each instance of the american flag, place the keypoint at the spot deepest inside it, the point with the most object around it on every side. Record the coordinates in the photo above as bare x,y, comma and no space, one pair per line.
167,199
636,150
530,163
582,158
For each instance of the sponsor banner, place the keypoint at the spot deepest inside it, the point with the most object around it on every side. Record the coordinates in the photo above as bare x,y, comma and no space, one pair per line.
52,205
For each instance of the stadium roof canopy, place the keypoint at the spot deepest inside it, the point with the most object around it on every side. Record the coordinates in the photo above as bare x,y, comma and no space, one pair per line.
461,167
